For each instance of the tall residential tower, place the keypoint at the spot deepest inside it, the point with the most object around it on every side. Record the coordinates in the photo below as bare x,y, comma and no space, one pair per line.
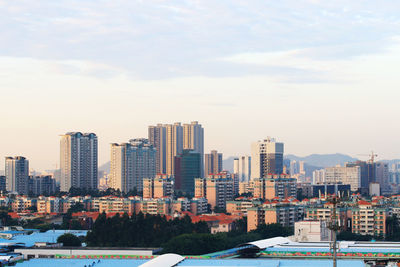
17,174
78,161
266,158
213,163
131,163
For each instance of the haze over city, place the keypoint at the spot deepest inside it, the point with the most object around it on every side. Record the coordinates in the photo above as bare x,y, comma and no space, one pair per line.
320,77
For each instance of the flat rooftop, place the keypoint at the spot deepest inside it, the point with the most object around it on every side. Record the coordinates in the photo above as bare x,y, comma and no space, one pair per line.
192,262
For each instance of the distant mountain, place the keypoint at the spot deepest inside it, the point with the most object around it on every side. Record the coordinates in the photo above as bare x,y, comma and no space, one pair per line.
105,167
323,160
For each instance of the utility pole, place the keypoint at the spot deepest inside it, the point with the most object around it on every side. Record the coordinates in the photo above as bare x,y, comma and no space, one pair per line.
334,227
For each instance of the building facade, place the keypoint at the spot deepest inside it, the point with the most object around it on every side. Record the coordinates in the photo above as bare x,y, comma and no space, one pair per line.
187,169
78,161
281,186
17,174
242,167
213,163
131,163
266,158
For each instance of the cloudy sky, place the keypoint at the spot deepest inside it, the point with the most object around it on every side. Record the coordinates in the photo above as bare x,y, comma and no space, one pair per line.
320,76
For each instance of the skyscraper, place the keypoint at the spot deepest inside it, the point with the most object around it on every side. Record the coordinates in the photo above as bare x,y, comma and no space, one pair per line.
78,161
17,174
131,163
174,145
187,168
193,138
158,138
170,139
213,163
266,158
242,168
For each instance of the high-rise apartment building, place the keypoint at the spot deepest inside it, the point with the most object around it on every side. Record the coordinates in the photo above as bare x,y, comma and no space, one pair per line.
187,168
216,188
242,168
266,158
193,138
170,139
158,138
213,162
271,186
17,174
131,163
167,139
158,187
78,161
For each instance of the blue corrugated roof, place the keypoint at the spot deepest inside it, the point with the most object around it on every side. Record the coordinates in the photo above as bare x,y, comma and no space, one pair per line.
211,263
49,236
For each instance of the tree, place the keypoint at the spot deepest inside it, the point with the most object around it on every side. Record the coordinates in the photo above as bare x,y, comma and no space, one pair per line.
69,240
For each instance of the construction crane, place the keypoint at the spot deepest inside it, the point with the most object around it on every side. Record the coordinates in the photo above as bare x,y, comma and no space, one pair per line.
371,156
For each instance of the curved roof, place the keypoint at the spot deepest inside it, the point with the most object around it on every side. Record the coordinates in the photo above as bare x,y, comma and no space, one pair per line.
165,260
269,242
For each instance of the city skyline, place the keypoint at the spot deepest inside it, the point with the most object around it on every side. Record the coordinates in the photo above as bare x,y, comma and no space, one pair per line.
296,70
105,159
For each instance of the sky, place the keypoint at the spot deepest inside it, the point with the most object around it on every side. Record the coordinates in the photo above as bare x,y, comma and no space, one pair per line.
320,76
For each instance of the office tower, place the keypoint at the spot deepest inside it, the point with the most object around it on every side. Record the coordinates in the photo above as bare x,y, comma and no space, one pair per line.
193,138
78,161
382,176
158,138
131,163
242,168
368,175
17,174
213,162
344,175
266,158
187,168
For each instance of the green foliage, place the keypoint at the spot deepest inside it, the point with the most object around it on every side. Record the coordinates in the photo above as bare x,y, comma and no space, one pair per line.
69,240
174,236
348,235
393,229
139,230
6,219
198,244
195,244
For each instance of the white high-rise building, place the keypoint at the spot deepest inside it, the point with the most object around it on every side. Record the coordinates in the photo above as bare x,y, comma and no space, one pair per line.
17,174
319,176
344,175
131,163
193,138
78,161
242,167
266,158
